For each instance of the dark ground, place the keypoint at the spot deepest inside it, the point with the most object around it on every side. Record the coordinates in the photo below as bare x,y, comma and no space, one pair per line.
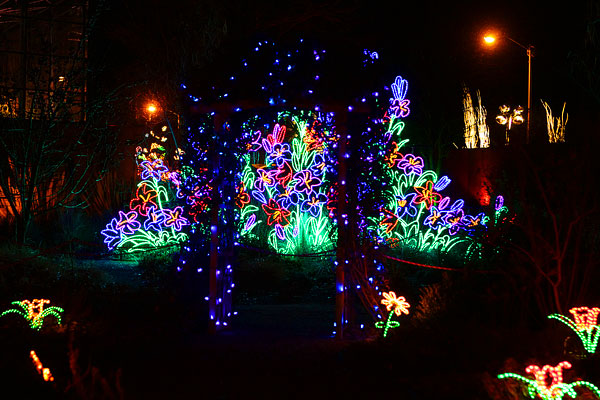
134,342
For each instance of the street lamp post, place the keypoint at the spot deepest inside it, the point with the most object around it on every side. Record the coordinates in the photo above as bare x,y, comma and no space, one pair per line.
490,40
529,55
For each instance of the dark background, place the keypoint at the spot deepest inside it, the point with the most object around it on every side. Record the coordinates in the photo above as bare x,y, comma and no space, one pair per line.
435,45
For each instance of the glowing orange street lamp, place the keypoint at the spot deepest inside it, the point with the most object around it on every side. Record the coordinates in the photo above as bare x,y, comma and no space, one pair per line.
151,108
489,39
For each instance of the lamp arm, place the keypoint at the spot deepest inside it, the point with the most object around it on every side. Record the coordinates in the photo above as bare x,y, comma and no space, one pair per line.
517,43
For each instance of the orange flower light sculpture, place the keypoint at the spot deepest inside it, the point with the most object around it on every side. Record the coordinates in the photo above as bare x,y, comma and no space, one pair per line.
555,373
585,324
585,318
548,383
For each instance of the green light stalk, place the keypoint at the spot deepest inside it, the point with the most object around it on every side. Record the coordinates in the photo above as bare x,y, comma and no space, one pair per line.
388,324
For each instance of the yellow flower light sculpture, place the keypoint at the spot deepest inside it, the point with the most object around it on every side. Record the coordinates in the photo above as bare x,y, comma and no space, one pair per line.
395,305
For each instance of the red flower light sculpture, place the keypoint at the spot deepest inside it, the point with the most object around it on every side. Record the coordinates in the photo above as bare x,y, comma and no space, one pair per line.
426,194
275,213
144,200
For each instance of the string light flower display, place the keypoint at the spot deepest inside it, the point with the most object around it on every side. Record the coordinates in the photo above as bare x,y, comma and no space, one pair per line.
34,312
267,138
585,324
548,382
412,210
247,182
153,220
45,372
395,305
284,184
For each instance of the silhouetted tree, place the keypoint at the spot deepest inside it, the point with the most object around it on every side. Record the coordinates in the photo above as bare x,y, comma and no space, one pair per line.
55,138
556,240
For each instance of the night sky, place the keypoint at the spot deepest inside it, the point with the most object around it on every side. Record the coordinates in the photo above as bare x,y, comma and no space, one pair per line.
435,45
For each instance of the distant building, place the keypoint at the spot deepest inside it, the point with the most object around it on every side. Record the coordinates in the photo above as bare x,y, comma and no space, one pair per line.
43,68
43,57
